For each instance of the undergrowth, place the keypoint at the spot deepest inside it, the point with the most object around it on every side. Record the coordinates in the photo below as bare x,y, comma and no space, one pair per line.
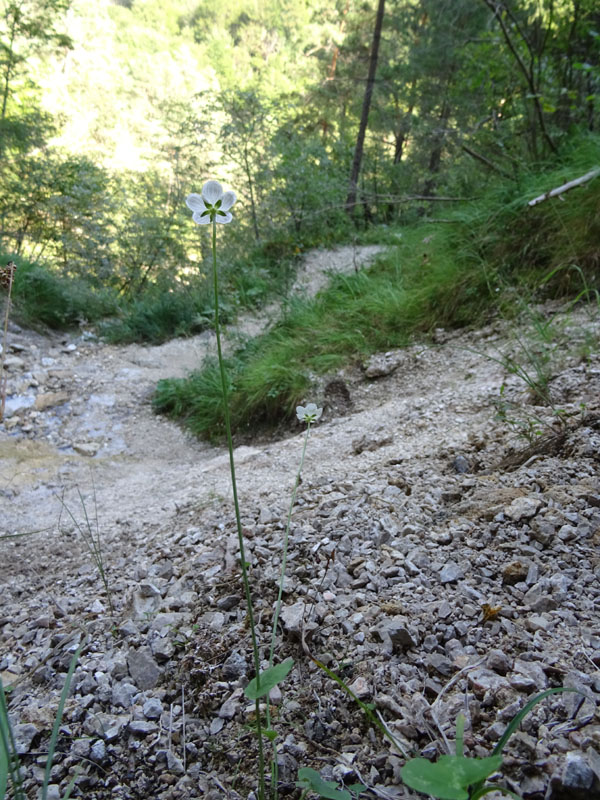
452,274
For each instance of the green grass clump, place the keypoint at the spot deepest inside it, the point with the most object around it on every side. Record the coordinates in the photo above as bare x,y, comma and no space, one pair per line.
162,313
358,314
438,275
44,297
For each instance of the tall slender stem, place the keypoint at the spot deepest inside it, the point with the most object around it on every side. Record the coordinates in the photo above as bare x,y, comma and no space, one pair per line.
3,378
246,582
286,537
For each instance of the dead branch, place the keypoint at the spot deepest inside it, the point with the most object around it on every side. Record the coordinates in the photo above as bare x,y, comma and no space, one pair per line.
565,187
484,160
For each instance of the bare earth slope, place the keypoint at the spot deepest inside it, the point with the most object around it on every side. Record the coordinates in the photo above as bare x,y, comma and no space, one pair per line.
416,513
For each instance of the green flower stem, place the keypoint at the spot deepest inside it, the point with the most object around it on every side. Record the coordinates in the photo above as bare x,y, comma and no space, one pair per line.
286,537
246,582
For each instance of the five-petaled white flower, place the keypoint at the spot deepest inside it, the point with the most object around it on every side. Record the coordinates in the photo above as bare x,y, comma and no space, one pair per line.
310,413
213,203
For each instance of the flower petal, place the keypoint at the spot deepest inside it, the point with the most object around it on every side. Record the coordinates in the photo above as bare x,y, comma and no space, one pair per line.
227,201
195,202
226,217
211,192
200,218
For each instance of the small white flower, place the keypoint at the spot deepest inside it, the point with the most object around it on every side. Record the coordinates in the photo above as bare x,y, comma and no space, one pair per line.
309,413
213,203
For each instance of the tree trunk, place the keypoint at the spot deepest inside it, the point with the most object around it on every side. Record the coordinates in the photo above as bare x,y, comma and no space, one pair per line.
360,139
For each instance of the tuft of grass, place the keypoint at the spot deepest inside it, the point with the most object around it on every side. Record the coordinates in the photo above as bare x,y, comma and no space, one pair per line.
163,313
447,275
42,297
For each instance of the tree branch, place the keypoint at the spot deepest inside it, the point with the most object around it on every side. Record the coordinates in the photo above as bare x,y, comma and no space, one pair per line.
565,187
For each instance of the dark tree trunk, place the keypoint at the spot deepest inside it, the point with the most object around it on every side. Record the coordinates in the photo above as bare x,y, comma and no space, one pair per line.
360,139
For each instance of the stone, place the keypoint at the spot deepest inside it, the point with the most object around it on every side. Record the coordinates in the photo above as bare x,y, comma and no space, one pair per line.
123,694
152,708
361,688
498,661
98,751
234,667
24,734
142,727
515,572
50,399
143,669
451,572
523,508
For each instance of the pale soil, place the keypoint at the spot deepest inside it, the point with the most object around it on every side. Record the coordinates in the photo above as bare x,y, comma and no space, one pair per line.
146,466
398,545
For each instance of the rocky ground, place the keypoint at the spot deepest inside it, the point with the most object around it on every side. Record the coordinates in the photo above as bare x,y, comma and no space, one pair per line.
437,563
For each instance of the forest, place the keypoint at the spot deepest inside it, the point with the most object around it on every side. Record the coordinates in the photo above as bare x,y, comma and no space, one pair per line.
394,122
407,607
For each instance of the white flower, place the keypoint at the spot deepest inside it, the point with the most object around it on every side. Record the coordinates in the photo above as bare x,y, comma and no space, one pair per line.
213,203
310,413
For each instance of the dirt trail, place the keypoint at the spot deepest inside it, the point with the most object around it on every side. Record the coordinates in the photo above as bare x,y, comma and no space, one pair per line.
83,422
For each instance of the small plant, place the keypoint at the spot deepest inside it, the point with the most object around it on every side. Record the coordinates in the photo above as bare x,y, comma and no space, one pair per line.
212,207
90,534
309,780
7,276
10,768
458,777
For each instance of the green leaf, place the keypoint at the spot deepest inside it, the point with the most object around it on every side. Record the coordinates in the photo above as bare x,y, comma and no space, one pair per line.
310,779
450,777
518,718
269,678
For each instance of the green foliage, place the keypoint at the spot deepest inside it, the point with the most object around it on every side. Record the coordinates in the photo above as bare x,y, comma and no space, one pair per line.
41,296
310,780
162,313
456,777
445,275
268,679
450,777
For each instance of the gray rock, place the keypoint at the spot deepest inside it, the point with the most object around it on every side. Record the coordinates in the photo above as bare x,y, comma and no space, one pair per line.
152,708
498,661
451,572
461,465
162,649
24,735
174,765
143,669
123,694
523,508
142,727
234,667
98,751
577,781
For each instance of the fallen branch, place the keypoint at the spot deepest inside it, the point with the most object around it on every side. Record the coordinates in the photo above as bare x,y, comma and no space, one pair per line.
565,187
484,160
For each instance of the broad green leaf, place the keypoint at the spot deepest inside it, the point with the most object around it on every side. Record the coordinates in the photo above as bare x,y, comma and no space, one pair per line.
269,678
268,733
450,777
310,779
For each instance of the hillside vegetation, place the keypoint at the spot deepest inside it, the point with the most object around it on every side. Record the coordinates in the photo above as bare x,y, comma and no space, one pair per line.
113,112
